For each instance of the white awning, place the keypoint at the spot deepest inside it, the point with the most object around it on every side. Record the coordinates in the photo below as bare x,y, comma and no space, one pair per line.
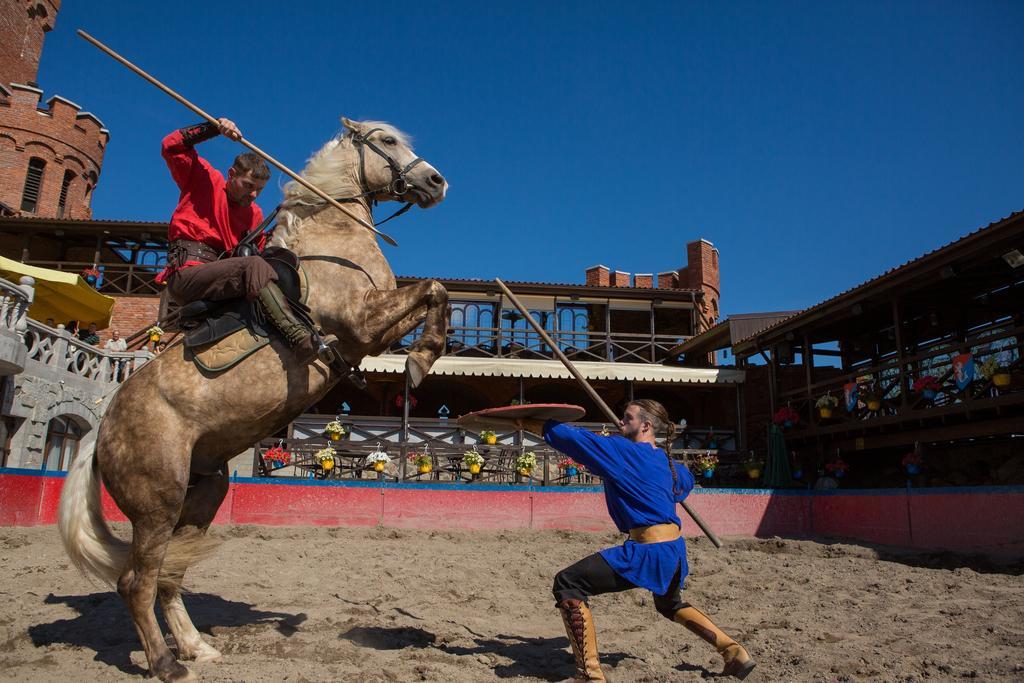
516,367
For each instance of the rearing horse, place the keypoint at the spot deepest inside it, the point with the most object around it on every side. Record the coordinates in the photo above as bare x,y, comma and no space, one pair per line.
171,427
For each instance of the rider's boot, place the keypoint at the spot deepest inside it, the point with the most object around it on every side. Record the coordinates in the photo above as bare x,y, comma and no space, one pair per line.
579,626
297,333
737,662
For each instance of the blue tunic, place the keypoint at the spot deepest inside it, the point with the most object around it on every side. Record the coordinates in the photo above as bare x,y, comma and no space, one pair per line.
638,492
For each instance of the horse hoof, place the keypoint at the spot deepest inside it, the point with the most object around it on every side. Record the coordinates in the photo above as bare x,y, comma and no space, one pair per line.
177,674
205,653
415,371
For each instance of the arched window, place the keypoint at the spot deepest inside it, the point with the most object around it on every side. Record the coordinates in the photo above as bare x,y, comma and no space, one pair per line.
69,175
33,185
62,438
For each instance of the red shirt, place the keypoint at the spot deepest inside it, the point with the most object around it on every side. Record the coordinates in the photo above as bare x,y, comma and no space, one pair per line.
204,213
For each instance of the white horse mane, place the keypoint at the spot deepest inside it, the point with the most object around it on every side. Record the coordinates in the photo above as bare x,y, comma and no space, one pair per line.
333,169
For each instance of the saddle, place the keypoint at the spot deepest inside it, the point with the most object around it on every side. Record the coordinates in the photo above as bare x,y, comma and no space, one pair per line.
220,334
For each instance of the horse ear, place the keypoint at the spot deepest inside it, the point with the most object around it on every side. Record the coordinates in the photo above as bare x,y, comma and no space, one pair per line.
350,124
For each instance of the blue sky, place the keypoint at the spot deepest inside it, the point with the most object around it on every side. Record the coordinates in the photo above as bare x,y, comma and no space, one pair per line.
815,144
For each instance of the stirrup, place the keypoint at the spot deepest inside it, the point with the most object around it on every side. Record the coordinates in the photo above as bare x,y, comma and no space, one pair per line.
329,355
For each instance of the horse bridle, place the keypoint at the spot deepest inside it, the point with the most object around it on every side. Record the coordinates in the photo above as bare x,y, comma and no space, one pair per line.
399,185
397,188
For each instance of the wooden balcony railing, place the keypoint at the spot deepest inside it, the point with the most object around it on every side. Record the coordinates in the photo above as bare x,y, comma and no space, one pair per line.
885,392
445,443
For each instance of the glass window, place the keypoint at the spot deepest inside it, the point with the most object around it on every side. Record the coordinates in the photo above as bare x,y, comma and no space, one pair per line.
62,438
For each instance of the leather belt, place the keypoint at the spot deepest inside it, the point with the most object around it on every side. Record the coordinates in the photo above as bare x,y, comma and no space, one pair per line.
656,533
180,252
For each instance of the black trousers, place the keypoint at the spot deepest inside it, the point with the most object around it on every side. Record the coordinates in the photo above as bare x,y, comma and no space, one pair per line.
593,576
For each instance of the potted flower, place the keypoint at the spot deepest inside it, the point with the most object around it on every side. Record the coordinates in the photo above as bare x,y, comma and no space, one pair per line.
996,369
277,456
325,457
570,467
912,462
155,333
928,386
488,437
422,461
334,430
473,461
872,399
91,276
706,464
525,462
837,468
378,459
753,467
786,417
825,405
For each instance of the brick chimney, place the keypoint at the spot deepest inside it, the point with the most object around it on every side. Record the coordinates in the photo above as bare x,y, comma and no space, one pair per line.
668,280
643,281
598,276
620,278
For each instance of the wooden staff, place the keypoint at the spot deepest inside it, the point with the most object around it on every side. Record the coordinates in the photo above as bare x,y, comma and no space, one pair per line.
593,394
284,169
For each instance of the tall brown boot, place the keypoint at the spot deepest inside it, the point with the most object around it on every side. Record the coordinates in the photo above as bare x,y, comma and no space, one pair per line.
579,626
297,333
737,662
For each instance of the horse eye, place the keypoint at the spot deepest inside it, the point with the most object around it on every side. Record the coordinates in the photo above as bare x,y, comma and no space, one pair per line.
389,140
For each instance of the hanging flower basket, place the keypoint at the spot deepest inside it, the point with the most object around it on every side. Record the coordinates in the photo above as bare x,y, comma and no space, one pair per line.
325,457
825,405
570,467
334,430
706,464
155,333
277,456
91,276
525,463
928,386
488,437
837,468
473,461
912,463
378,459
422,461
786,417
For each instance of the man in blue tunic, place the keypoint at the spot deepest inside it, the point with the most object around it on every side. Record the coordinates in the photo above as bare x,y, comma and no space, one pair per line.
642,486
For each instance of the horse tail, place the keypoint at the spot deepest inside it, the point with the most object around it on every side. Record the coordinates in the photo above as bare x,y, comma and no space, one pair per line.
96,551
87,539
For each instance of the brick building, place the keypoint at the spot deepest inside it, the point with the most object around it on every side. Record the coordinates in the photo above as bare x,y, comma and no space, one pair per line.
699,274
50,156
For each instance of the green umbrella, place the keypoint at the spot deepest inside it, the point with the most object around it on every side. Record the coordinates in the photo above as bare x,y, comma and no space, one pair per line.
777,474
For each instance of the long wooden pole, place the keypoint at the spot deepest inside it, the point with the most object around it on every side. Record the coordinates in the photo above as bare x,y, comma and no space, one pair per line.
284,169
594,396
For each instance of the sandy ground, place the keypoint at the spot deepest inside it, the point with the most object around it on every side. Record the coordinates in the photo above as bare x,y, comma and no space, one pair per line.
301,604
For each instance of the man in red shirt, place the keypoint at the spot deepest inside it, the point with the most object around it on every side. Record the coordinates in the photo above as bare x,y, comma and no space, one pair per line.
212,216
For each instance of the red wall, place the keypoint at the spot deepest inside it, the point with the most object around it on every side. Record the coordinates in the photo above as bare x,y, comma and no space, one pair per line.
963,519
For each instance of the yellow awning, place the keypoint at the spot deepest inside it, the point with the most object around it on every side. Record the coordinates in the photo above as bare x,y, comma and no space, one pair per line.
60,295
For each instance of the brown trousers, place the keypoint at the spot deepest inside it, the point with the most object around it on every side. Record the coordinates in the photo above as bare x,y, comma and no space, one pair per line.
229,278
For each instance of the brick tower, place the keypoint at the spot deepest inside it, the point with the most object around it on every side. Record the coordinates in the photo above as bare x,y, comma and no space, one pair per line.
701,272
50,157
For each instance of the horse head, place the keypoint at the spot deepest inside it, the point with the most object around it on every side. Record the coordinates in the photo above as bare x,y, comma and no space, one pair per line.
371,160
390,169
